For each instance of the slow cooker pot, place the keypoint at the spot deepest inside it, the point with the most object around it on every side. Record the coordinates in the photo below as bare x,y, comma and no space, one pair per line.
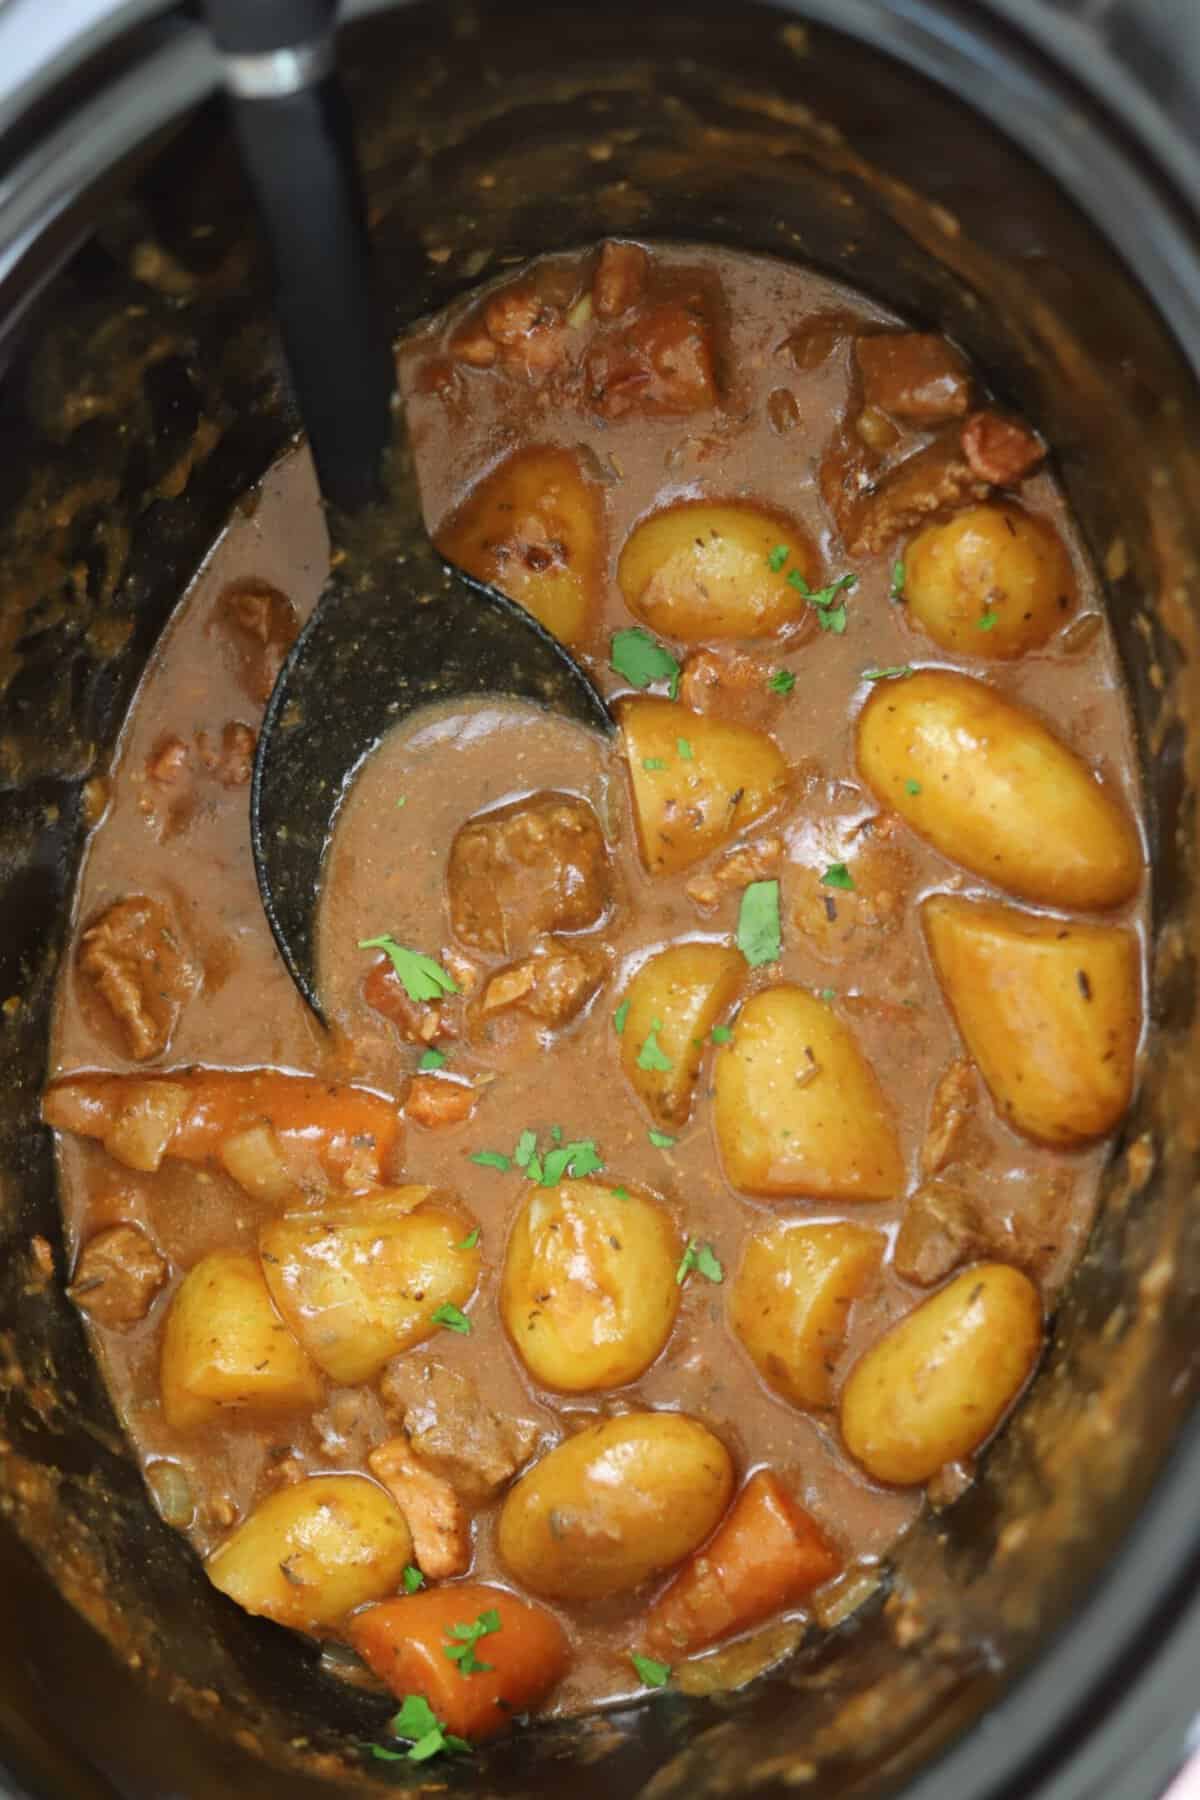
997,173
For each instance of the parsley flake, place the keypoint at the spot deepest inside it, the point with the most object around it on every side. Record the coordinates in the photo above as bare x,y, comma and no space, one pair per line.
650,1673
465,1637
833,619
651,763
781,681
651,1056
721,1034
894,672
837,875
620,1016
912,787
403,800
422,978
418,1725
987,619
702,1258
759,936
896,591
642,660
470,1241
684,749
526,1145
413,1579
453,1319
828,994
432,1059
662,1140
619,1193
830,617
777,557
492,1159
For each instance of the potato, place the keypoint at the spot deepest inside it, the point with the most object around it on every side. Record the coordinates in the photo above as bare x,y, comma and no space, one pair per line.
1050,1010
674,1001
990,787
534,528
798,1109
791,1302
312,1552
617,1503
993,581
698,571
686,803
226,1346
589,1293
939,1382
361,1281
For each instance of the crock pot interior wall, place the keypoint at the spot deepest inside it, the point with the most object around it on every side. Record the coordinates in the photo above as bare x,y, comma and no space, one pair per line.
145,398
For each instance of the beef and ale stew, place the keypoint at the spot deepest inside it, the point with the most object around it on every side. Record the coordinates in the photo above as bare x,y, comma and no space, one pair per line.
708,1120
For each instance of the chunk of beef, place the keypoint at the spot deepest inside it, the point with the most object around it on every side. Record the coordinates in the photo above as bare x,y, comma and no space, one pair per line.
737,869
139,967
260,624
452,1430
437,1100
913,375
417,1021
941,1228
552,985
619,280
839,921
530,332
951,1114
1000,450
118,1274
713,679
870,516
231,760
538,866
660,364
441,1531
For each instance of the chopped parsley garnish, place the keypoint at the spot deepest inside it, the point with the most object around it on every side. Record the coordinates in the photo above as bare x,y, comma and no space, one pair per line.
620,1016
417,1724
462,1650
470,1241
898,578
651,763
526,1147
828,993
413,1579
651,1056
830,617
888,674
453,1319
619,1193
650,1673
777,557
721,1034
575,1159
642,660
662,1140
684,749
403,800
432,1059
912,787
781,681
492,1159
702,1258
422,978
837,875
759,937
987,619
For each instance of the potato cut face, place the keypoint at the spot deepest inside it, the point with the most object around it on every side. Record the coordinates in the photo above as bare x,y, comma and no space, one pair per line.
674,1001
798,1109
310,1553
534,528
992,788
699,571
225,1347
791,1302
993,581
1050,1010
362,1281
689,801
589,1293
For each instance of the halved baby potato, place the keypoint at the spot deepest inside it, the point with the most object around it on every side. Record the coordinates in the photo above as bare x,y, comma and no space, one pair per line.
994,581
312,1552
673,1003
791,1301
798,1109
589,1293
534,528
226,1347
1050,1010
696,781
992,788
699,571
362,1281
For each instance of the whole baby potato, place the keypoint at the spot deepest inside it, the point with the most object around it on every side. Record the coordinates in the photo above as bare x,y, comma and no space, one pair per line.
1050,1010
993,581
935,1386
534,528
798,1109
362,1281
688,800
617,1503
791,1302
993,789
588,1293
312,1552
226,1346
673,1003
699,571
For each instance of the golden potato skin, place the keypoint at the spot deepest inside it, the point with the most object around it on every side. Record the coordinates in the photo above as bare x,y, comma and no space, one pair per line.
679,995
993,581
791,1301
361,1281
699,571
798,1109
534,528
588,1293
1049,1009
617,1503
684,807
997,791
938,1383
314,1551
226,1346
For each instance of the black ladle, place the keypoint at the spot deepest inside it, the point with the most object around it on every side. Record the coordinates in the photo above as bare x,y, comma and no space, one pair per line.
396,627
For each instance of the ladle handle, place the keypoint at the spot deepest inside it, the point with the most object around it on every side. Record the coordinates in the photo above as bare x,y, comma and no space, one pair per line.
294,130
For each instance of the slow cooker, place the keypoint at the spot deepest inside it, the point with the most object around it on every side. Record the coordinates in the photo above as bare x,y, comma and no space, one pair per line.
1024,174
